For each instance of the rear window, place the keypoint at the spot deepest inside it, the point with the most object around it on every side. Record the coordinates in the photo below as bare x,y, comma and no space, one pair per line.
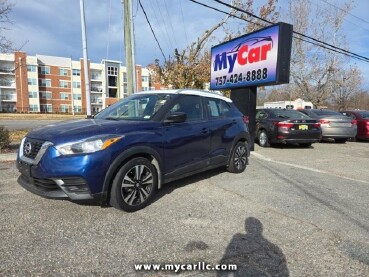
326,112
289,114
364,115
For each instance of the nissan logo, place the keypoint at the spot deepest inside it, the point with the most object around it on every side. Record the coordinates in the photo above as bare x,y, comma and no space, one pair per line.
27,148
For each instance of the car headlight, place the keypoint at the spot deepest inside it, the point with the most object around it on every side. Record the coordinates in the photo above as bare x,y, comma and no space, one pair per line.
88,145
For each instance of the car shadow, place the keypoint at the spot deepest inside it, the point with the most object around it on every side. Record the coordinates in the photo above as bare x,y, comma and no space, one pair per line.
253,254
291,146
166,188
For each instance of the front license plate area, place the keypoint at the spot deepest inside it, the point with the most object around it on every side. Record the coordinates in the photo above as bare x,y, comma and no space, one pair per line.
24,168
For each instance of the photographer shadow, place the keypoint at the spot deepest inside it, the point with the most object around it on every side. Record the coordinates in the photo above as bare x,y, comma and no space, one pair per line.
253,254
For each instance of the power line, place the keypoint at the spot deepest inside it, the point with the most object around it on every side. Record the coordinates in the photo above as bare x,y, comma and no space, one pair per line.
319,43
147,19
345,11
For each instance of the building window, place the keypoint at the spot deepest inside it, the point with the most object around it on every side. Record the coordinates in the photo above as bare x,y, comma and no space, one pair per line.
45,83
76,72
33,108
63,84
32,82
112,70
77,96
76,84
124,77
46,95
32,68
32,94
64,96
145,79
78,109
63,72
64,108
46,108
44,70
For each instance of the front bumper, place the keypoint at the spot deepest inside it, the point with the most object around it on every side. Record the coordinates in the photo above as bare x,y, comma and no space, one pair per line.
75,177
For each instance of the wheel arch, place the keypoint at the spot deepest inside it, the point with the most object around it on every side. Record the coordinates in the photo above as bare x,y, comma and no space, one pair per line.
135,152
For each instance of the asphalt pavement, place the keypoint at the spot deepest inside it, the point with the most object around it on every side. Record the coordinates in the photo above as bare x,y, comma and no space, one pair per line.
293,212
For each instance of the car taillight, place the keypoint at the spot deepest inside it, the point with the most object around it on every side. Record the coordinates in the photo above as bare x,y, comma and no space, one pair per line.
316,125
323,121
245,119
354,122
282,124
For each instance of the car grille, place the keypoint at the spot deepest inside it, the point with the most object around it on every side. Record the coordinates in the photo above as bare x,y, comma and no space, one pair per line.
31,147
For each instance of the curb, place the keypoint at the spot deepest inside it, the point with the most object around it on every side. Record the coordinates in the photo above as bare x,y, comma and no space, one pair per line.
8,157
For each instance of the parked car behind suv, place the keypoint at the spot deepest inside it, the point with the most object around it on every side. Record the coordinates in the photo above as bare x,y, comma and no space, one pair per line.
334,125
130,149
286,126
362,119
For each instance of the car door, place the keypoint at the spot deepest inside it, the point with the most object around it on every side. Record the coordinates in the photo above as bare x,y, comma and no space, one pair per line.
187,144
223,128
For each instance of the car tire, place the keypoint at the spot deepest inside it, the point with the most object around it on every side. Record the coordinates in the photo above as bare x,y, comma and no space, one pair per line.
340,140
239,158
305,145
263,139
134,185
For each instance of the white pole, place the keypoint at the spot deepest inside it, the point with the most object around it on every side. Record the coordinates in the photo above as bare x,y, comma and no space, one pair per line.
71,84
21,80
85,60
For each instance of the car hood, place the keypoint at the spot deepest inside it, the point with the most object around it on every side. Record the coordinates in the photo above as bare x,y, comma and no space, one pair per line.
73,130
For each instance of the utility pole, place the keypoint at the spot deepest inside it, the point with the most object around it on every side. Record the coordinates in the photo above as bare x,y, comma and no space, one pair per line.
129,46
85,60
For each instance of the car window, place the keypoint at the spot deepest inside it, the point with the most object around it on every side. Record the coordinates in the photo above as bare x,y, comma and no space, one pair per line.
364,114
261,115
289,114
350,115
190,105
326,112
135,107
217,108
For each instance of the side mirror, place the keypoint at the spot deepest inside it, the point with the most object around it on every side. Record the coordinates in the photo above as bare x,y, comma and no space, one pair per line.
177,117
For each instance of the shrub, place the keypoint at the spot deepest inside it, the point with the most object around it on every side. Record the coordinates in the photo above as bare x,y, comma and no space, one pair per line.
4,138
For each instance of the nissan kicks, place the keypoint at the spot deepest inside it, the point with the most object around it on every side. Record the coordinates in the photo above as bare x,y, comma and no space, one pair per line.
130,149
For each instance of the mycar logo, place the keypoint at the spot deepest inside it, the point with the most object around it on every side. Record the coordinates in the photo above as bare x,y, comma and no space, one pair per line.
257,59
244,53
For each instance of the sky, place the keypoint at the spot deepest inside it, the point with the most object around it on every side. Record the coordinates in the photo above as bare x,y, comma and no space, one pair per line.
53,27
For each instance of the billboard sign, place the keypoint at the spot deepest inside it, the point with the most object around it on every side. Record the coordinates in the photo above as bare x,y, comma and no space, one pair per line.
256,59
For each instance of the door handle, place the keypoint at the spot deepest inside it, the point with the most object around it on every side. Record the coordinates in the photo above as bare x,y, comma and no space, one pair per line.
205,130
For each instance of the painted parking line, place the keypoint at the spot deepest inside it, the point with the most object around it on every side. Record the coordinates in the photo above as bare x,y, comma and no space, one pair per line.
261,157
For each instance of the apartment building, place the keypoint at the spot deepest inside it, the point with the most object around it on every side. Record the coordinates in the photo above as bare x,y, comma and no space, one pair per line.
50,84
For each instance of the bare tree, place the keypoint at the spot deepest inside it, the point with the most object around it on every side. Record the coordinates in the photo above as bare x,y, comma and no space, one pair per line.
318,74
5,9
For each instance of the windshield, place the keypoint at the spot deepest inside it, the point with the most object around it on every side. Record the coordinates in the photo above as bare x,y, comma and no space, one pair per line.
136,107
289,114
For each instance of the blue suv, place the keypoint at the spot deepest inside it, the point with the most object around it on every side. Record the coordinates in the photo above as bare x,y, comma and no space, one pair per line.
130,149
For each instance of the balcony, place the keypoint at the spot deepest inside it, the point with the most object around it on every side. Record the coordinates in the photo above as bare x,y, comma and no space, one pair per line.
96,78
96,101
96,89
4,83
7,70
8,97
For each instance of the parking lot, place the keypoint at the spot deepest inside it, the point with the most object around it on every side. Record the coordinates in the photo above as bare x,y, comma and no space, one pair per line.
293,212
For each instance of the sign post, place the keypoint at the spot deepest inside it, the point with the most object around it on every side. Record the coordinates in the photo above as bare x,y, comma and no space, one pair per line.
257,59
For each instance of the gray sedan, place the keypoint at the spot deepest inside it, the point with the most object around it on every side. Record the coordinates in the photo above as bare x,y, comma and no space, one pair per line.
333,124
